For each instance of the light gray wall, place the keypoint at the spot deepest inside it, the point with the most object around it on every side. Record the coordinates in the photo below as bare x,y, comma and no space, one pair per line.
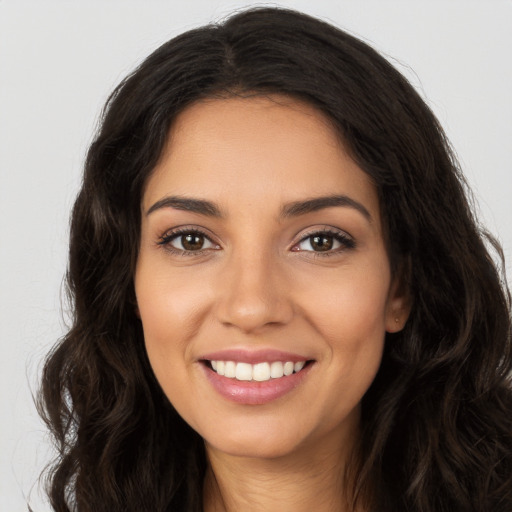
58,62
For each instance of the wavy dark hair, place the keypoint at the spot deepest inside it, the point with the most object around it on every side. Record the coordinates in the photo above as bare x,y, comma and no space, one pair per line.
436,422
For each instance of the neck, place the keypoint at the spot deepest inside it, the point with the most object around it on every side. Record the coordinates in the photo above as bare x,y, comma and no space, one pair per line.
311,479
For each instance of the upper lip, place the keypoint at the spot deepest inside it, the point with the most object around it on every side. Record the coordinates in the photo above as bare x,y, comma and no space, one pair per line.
253,356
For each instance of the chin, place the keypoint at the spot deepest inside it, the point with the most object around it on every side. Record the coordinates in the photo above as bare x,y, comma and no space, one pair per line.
259,443
252,449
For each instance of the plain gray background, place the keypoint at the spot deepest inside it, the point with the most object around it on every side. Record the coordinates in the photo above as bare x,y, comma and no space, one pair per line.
58,62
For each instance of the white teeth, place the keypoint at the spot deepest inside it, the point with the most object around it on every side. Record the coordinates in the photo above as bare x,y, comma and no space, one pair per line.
259,372
288,368
297,367
230,369
243,371
276,370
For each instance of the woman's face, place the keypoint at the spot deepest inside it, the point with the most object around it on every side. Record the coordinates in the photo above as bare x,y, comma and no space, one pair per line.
262,253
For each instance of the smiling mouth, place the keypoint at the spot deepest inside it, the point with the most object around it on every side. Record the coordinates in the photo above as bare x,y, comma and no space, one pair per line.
259,372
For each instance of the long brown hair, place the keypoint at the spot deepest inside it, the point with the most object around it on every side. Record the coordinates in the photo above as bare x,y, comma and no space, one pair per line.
437,421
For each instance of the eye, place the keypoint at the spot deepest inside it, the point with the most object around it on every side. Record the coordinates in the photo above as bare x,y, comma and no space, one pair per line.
187,241
325,241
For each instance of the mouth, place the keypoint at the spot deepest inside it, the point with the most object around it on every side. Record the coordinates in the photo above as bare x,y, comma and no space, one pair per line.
259,372
255,384
255,377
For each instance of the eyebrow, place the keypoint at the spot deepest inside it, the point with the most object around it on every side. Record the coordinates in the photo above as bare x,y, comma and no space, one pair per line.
294,209
188,204
319,203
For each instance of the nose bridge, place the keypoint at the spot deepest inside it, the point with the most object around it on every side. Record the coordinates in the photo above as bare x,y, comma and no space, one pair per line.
253,291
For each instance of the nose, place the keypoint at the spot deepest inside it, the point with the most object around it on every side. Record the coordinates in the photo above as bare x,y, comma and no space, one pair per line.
253,294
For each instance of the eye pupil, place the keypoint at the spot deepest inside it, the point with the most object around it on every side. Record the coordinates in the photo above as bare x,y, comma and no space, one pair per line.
192,241
321,242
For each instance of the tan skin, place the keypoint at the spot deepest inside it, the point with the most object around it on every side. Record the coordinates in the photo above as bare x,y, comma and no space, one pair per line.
255,272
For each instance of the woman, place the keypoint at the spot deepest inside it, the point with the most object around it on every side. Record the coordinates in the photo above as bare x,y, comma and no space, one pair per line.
281,296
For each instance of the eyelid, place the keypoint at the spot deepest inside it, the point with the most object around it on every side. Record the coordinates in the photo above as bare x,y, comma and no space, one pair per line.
169,235
345,239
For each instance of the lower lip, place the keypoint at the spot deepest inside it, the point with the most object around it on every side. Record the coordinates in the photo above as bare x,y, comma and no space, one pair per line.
252,392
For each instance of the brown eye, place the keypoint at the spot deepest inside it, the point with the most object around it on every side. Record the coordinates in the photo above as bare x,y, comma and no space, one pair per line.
321,242
188,241
325,241
192,241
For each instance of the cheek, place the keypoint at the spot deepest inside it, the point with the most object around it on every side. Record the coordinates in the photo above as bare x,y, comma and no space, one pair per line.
168,302
351,320
171,312
349,303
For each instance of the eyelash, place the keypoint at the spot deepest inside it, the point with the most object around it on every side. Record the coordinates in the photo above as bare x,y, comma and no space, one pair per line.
344,240
166,239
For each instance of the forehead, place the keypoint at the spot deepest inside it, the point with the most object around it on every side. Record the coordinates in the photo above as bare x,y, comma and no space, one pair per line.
256,150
